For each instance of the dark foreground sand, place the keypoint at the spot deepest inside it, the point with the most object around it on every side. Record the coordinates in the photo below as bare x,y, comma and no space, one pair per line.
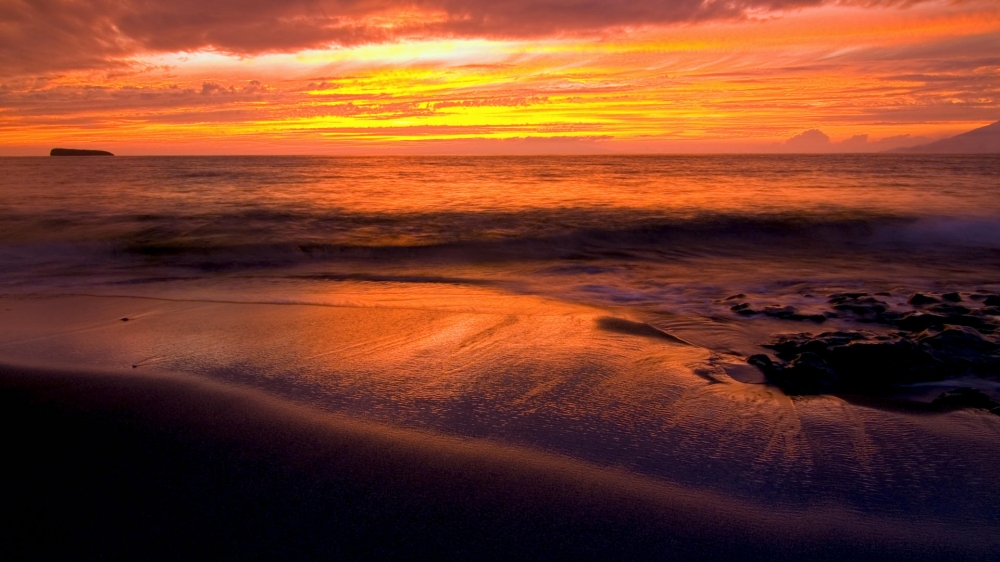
139,466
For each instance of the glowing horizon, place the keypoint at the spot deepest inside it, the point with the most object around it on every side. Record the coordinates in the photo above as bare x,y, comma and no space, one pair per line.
432,78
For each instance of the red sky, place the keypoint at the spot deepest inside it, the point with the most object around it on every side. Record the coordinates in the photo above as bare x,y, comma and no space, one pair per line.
508,76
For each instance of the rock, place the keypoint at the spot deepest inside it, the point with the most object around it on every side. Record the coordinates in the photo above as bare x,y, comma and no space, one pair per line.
125,319
852,362
779,311
920,321
840,297
788,346
78,152
889,317
992,300
847,363
957,336
790,313
806,374
867,366
943,341
962,350
966,398
949,309
919,299
866,307
761,361
735,297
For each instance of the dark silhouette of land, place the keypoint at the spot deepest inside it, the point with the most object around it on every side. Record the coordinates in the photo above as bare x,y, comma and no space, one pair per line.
78,152
984,140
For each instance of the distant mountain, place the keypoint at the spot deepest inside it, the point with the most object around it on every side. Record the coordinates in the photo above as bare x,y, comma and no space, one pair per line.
984,140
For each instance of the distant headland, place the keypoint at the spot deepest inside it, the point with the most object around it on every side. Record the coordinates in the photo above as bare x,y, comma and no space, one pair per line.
984,140
78,152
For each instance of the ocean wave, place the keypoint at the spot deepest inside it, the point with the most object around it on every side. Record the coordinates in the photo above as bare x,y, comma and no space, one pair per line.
281,238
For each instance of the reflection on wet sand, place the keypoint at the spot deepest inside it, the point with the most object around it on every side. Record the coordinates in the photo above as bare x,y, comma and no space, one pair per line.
532,372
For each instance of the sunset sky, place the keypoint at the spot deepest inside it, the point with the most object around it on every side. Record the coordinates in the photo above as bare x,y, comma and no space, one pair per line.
506,76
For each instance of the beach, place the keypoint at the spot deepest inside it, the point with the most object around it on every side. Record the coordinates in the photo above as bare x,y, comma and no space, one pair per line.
196,365
121,465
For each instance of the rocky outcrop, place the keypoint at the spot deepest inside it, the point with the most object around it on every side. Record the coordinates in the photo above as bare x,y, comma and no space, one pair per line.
966,398
937,340
78,152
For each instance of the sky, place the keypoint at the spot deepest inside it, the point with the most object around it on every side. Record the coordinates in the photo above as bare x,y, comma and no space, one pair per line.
493,77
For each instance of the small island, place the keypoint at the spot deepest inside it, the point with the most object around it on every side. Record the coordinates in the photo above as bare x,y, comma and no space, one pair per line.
78,152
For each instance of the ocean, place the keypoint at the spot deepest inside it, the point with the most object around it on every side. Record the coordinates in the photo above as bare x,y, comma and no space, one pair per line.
582,306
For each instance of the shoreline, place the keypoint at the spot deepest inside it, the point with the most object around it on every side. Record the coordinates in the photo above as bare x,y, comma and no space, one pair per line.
154,465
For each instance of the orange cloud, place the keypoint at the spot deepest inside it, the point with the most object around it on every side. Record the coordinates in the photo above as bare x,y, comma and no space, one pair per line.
688,76
57,35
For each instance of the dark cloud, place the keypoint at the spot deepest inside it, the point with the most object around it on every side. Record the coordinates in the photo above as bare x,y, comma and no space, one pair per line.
62,103
40,36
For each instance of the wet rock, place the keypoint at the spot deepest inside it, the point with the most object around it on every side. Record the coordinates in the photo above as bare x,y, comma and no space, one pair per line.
963,350
779,311
808,373
761,361
966,398
788,346
919,299
950,309
863,308
852,362
867,366
920,321
848,363
943,340
889,317
790,313
735,297
992,300
839,297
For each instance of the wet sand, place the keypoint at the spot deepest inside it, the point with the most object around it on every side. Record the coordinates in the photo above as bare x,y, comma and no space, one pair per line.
371,420
167,466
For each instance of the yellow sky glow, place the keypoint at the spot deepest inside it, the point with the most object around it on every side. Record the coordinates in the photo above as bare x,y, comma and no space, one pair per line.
737,85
